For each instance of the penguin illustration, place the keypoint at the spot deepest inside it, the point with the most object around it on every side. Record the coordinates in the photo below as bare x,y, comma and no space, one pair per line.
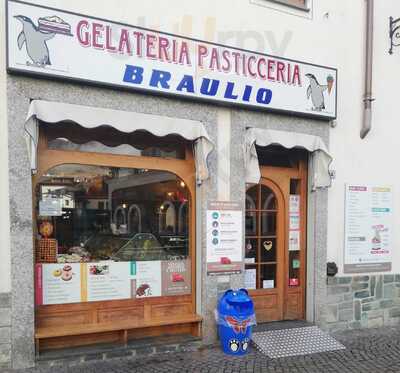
35,41
316,91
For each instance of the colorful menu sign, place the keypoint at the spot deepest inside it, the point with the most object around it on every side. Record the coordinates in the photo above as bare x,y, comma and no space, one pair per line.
55,43
368,229
87,282
224,237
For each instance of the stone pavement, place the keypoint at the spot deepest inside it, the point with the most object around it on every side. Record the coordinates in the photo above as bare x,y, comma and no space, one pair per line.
367,350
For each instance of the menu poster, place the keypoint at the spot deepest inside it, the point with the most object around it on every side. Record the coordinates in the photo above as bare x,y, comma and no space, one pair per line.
176,279
148,279
368,229
294,240
109,280
58,283
50,207
224,237
250,276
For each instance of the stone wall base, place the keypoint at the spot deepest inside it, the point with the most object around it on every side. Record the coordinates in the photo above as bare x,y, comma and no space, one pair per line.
5,330
362,302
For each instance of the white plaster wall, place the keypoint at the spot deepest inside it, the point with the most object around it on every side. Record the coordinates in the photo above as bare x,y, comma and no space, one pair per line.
331,34
5,278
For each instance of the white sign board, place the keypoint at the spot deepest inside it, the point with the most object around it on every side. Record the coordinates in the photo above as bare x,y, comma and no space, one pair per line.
224,237
56,43
368,229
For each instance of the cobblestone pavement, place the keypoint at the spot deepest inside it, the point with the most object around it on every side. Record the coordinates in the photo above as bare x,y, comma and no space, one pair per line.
373,350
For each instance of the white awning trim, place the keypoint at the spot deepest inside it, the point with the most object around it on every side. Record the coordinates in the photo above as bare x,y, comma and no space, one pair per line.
320,156
123,121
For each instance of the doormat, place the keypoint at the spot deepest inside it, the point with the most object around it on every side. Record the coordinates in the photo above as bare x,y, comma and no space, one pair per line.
295,341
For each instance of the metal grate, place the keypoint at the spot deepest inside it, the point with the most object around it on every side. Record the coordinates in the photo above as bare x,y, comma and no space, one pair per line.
296,341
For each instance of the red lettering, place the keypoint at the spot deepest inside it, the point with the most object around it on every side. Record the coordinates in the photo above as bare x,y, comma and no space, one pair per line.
124,42
83,33
236,55
250,65
226,67
150,41
109,46
296,75
163,49
214,60
260,73
202,52
270,70
97,29
139,39
281,69
184,56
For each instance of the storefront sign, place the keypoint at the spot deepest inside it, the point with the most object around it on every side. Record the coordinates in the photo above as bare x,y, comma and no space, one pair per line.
224,237
368,229
86,282
50,207
59,44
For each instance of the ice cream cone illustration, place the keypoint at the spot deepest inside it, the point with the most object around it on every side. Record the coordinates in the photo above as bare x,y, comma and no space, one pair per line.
330,82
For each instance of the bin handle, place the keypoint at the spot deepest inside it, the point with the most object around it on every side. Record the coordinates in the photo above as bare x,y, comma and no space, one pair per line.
231,291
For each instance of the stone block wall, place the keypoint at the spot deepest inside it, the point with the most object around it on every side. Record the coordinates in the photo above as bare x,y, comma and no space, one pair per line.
362,302
5,330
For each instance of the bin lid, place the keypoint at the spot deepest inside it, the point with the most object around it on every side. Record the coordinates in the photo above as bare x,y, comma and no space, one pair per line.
236,303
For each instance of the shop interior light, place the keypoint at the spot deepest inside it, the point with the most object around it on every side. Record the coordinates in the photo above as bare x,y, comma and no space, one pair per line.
182,184
124,206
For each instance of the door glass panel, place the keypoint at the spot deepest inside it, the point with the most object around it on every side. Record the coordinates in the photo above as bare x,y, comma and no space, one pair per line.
251,198
268,223
250,277
268,199
251,223
268,250
267,276
251,250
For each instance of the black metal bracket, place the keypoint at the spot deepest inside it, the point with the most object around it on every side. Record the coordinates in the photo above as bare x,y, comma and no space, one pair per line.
394,33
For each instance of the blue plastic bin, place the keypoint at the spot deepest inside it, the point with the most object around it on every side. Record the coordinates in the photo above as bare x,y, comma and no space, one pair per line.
235,318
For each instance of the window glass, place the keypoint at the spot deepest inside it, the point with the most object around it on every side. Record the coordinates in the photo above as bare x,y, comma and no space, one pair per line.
112,214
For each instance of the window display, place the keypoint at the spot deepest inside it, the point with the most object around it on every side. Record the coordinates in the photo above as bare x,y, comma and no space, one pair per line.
99,216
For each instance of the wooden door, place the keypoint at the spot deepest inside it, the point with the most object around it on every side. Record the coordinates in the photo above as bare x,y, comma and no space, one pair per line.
275,274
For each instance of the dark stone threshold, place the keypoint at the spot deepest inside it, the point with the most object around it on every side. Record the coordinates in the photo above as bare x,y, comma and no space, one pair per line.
279,325
136,348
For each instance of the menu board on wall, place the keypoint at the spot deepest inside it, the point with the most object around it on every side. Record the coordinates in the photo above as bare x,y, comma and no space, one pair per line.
86,282
224,237
368,229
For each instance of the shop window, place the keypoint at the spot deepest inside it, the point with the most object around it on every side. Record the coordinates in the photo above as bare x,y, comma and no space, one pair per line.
106,139
98,216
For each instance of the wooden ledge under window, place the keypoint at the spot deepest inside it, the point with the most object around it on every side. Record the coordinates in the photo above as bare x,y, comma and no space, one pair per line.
121,327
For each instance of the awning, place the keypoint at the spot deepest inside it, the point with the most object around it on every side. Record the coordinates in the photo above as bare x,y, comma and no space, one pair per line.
320,157
123,121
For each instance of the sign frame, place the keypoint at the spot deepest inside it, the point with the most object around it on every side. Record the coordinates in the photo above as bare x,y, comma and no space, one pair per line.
197,98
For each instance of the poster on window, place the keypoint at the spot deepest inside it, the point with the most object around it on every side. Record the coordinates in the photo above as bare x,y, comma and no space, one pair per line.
294,222
176,277
109,280
368,228
148,279
58,283
224,237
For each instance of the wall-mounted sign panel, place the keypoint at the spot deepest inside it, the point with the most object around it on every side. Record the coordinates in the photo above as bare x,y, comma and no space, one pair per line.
368,229
60,44
224,237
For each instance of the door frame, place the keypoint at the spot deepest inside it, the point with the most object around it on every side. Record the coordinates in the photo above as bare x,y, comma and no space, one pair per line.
278,179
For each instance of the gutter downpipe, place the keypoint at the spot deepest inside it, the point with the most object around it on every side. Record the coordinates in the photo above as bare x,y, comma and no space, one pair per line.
367,115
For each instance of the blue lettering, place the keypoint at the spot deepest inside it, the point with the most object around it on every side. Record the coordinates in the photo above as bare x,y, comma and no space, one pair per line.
229,91
247,93
205,88
186,83
133,74
264,96
160,77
